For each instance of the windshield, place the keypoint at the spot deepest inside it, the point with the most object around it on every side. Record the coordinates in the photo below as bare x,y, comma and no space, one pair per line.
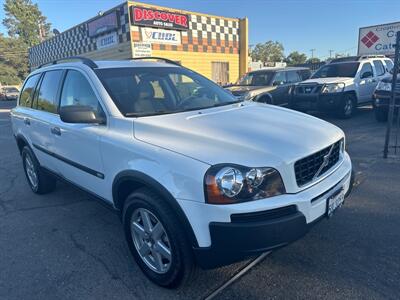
11,90
152,91
256,79
337,70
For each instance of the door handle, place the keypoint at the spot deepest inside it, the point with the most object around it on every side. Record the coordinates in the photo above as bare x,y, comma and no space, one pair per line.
56,131
27,121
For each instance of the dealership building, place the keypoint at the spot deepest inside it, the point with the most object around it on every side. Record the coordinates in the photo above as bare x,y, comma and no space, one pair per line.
214,46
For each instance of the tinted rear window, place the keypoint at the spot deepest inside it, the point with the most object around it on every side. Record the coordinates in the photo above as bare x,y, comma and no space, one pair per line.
47,97
27,92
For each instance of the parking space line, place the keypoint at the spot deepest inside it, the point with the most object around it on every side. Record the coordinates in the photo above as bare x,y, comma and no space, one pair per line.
237,276
5,110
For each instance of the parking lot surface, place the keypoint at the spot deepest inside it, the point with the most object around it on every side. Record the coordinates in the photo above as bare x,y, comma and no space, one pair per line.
67,245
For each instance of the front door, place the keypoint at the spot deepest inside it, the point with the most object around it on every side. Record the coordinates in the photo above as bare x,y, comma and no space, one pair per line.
367,83
220,72
77,146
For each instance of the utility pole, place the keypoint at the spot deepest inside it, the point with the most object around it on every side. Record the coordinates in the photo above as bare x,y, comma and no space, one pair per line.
330,53
312,53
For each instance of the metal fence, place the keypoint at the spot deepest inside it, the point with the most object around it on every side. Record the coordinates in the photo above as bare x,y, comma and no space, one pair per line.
392,140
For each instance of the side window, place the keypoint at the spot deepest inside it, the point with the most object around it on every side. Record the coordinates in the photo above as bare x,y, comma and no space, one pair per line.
305,74
293,77
379,68
280,78
389,64
366,71
27,91
47,96
77,91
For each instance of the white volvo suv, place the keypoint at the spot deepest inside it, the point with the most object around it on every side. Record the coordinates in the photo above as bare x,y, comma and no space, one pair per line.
199,178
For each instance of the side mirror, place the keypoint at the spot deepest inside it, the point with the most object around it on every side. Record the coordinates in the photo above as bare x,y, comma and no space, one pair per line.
367,74
80,114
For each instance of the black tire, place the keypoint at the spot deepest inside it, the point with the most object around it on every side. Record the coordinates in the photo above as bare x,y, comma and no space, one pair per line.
182,266
347,106
46,182
381,114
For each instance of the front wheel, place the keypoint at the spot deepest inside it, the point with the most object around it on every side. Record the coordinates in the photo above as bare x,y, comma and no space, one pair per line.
347,106
157,239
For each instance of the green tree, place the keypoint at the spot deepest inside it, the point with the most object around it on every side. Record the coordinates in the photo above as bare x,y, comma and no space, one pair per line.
268,52
14,54
295,58
26,27
25,20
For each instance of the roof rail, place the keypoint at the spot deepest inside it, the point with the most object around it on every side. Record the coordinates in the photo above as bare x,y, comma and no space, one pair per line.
87,61
372,56
157,58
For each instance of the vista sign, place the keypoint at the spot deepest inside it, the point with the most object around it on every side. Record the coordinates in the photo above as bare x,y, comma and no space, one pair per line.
158,18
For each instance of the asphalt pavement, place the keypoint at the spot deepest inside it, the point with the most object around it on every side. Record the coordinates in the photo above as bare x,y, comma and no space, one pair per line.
67,245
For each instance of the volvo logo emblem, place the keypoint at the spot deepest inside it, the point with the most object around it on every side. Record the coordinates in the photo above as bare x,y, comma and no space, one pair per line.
325,162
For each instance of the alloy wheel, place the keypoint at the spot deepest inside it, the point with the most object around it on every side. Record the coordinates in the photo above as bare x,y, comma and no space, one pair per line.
31,172
348,107
151,240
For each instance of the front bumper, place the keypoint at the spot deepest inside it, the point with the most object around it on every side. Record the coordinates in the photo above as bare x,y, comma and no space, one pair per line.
317,101
228,233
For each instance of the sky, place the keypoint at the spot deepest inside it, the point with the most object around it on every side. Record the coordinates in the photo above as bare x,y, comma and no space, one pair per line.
300,25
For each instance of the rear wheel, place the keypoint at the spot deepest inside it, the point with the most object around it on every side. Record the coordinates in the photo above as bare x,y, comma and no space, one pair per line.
157,239
39,180
347,106
381,114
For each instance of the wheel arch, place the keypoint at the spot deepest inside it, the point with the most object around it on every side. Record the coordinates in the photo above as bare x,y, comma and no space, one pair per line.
128,181
21,142
265,95
354,93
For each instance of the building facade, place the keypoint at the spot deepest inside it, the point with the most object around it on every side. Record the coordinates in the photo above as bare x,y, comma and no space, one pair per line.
214,46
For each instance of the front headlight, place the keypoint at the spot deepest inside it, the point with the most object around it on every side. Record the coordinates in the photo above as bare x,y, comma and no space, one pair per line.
384,86
333,88
227,184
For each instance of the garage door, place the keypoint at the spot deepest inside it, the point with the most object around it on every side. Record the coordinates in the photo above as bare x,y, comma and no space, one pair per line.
220,72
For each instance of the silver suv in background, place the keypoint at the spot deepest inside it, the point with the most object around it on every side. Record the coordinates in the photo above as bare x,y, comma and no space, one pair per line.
270,85
341,85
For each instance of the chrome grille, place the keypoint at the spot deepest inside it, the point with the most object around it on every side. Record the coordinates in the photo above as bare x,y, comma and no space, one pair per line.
302,89
317,164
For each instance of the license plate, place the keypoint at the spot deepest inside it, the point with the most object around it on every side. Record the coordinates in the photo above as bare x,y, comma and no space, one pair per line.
335,201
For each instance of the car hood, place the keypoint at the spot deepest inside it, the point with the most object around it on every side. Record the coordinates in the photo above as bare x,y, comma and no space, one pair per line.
327,80
248,133
243,89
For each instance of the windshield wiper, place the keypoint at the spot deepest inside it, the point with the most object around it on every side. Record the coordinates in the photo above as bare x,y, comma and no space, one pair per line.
146,114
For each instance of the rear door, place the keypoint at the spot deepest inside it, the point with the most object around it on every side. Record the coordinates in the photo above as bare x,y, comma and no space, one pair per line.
45,107
21,116
77,146
380,70
367,83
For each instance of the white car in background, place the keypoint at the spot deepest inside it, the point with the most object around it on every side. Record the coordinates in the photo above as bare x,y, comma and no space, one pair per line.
9,93
198,176
341,85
